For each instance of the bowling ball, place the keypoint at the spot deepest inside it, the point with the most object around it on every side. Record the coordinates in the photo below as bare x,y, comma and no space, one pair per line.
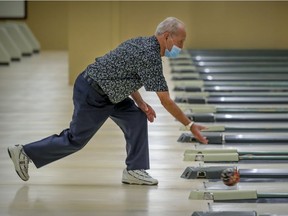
230,176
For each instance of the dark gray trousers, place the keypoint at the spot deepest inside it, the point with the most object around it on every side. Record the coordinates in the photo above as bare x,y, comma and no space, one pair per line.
91,110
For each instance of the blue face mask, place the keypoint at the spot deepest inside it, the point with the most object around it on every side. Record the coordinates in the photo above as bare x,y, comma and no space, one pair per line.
174,52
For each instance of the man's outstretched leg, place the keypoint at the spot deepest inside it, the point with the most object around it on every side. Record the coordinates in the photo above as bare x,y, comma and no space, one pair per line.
90,112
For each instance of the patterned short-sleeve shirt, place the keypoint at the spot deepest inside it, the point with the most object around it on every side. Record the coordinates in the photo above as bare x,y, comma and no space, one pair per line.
134,63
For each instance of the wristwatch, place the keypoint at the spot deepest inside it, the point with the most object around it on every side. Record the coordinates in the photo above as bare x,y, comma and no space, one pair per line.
188,127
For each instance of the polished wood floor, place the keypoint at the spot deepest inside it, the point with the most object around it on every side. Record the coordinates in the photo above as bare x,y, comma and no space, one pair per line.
35,102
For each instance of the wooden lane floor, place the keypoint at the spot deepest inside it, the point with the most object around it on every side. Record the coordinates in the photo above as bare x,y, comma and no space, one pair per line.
35,103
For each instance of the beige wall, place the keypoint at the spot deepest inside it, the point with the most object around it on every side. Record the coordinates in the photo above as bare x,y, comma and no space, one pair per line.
49,22
89,29
240,24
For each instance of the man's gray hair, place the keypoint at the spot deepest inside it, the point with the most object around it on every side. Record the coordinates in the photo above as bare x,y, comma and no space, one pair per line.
170,24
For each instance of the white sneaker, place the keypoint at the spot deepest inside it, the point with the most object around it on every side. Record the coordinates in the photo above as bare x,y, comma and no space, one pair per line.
20,160
139,177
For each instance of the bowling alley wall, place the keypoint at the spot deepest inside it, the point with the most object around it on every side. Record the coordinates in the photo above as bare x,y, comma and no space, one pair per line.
92,28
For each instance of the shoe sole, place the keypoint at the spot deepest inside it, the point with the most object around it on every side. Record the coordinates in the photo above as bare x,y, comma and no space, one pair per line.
12,156
133,183
138,183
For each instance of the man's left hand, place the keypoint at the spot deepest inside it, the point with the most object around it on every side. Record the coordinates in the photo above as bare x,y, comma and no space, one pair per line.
149,111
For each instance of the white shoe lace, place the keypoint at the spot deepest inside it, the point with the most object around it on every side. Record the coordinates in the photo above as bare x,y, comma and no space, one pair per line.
24,161
142,172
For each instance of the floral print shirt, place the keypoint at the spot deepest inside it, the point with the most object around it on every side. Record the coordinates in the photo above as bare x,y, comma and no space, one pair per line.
133,64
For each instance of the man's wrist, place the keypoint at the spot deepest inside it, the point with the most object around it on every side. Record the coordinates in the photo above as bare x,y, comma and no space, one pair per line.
188,126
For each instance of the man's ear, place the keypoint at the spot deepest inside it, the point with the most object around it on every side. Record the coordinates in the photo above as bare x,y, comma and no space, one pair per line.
166,35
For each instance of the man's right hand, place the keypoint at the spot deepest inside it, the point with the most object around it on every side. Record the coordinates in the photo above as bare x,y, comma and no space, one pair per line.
196,131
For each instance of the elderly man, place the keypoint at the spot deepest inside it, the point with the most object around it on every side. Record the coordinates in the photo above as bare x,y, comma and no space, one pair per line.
103,91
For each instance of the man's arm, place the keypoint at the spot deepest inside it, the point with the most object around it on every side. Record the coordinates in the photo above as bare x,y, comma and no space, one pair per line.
137,98
176,112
